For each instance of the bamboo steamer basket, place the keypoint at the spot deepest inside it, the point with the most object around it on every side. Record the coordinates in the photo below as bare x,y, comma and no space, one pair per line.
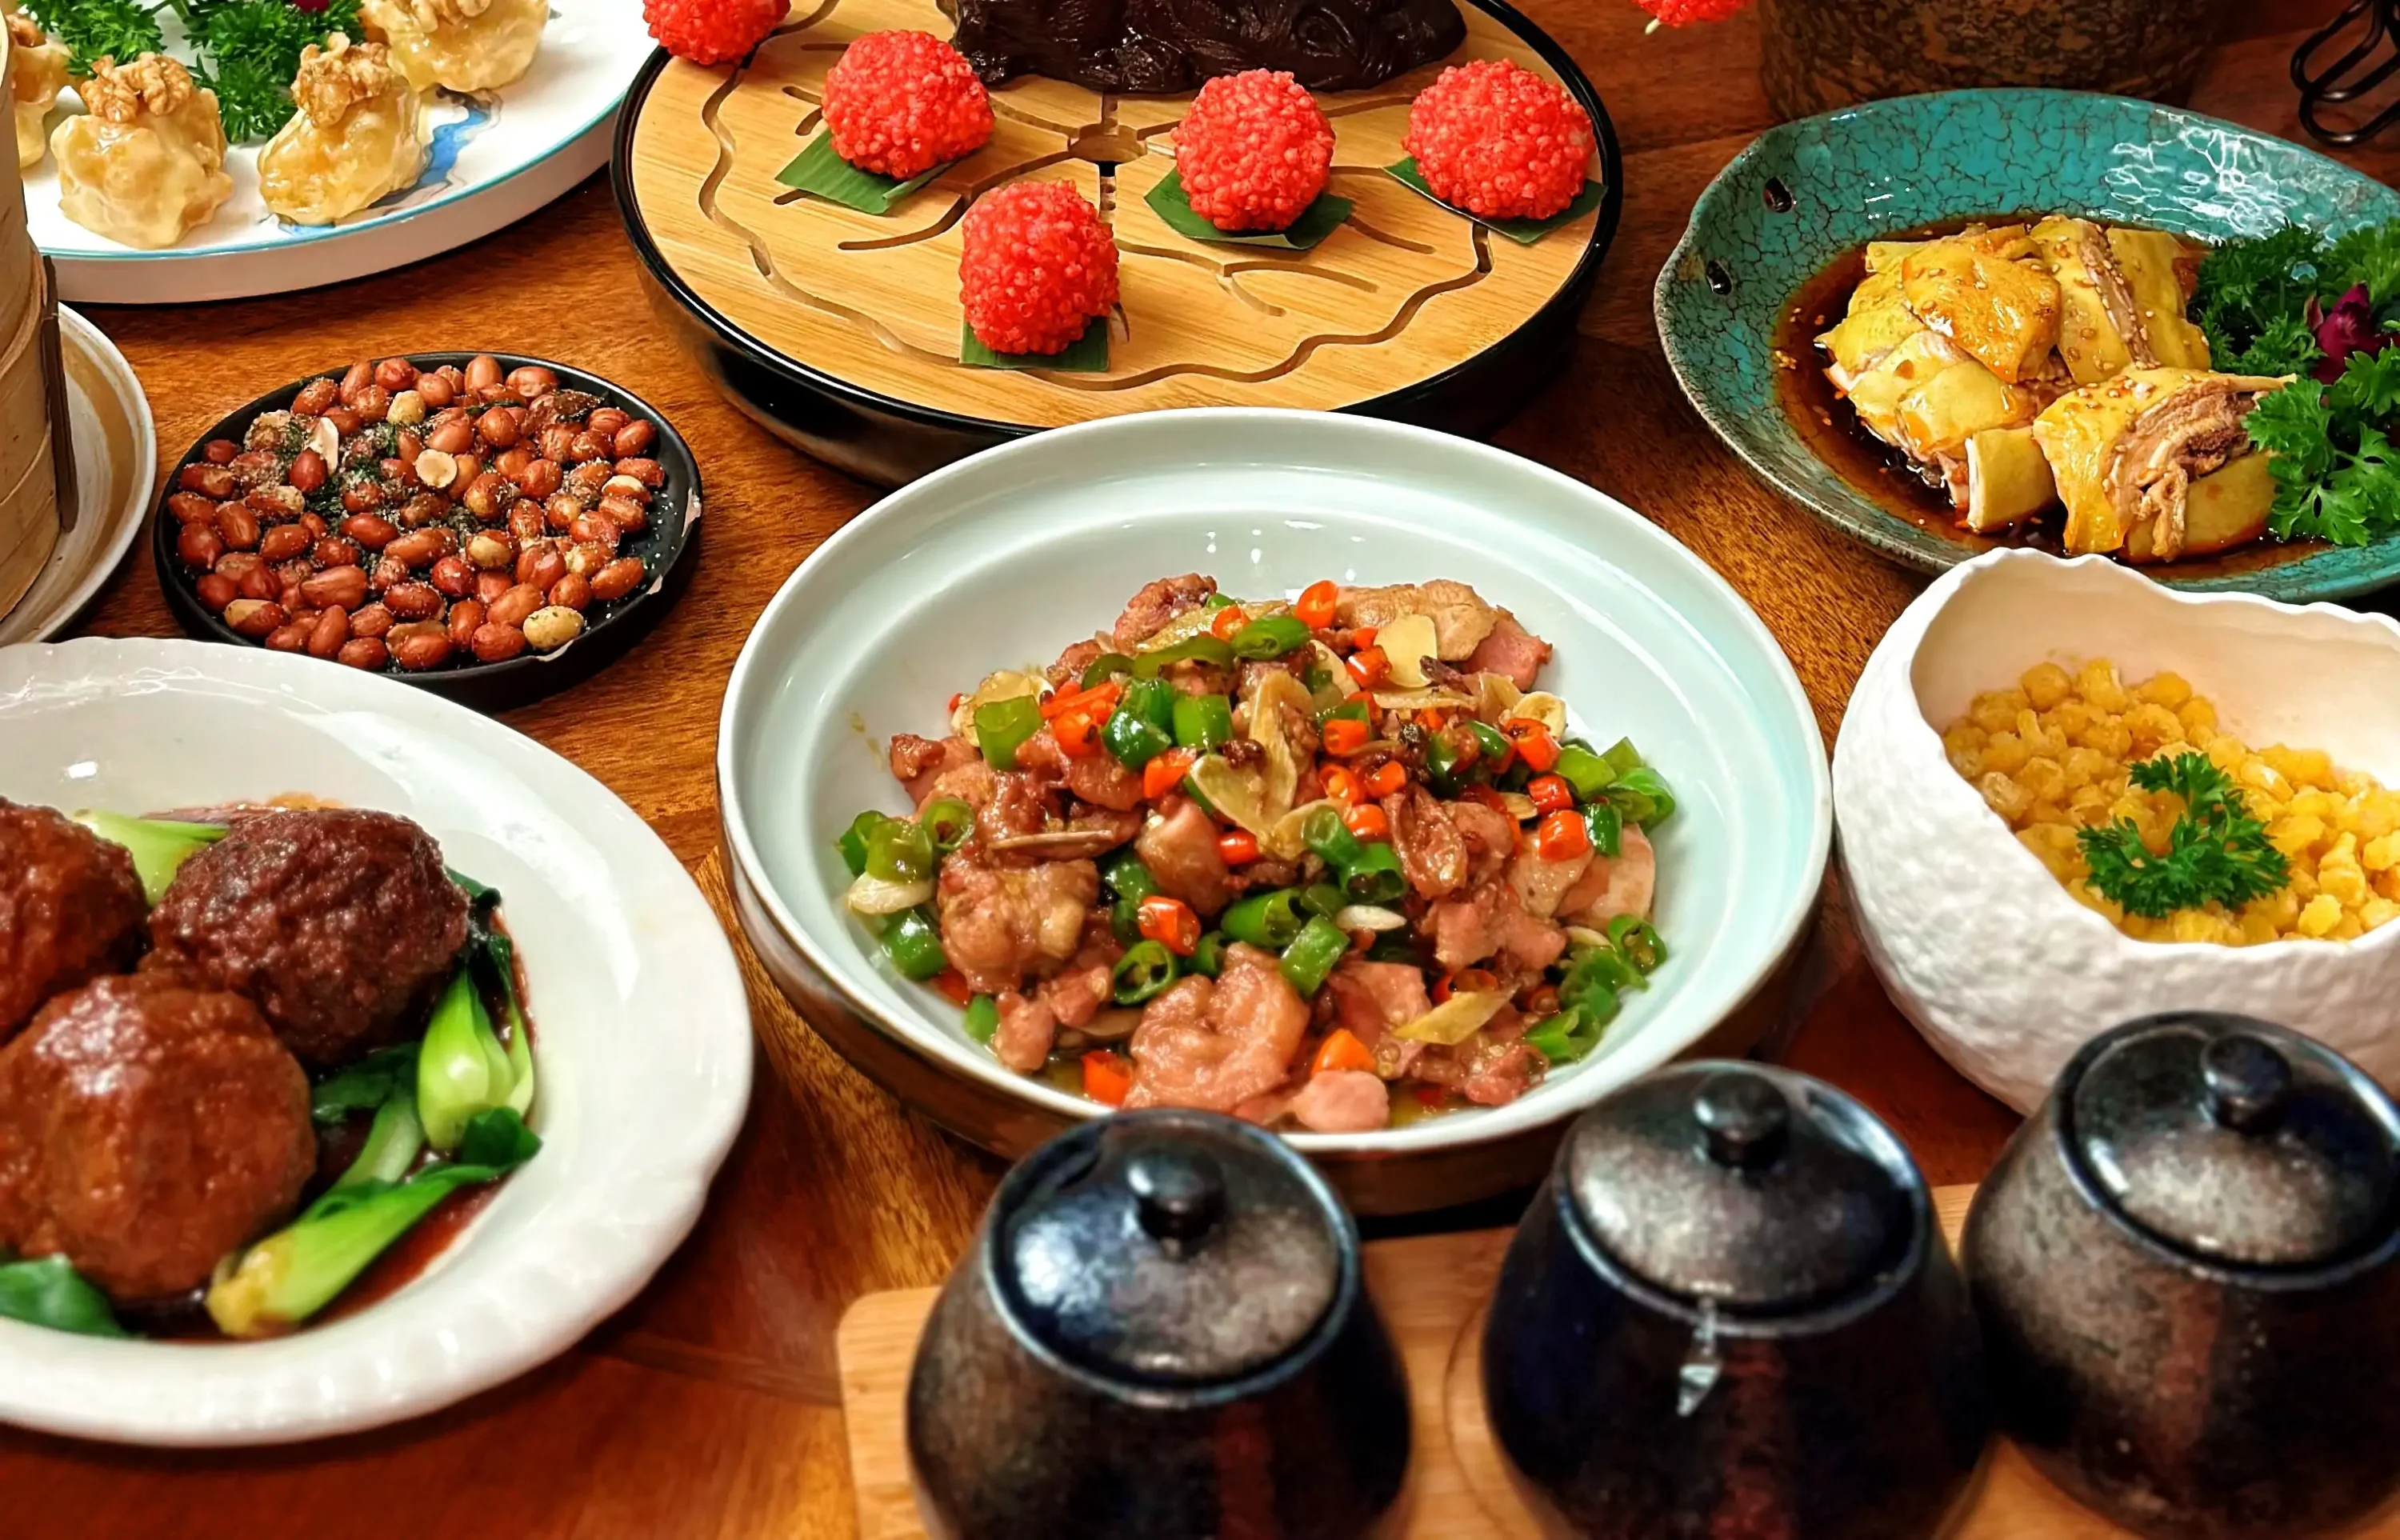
32,383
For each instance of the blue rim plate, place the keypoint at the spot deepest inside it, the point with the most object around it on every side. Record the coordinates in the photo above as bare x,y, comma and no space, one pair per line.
1805,193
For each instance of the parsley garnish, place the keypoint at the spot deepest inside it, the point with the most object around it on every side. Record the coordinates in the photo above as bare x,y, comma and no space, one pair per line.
2246,287
247,51
2215,852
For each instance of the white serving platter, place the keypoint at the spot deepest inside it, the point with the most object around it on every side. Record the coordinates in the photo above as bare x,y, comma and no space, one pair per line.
495,159
117,461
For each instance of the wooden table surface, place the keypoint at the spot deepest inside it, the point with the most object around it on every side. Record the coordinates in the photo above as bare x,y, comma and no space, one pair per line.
709,1407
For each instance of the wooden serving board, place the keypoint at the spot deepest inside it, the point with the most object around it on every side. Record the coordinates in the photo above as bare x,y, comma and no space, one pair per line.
1404,291
1432,1290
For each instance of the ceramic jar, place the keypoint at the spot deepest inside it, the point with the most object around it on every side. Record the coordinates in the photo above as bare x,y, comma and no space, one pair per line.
2187,1268
1730,1312
1818,55
1161,1331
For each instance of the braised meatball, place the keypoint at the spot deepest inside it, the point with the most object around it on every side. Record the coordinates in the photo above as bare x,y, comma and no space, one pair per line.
340,924
148,1129
70,908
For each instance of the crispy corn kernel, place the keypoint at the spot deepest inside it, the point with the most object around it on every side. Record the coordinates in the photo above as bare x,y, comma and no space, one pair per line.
2052,756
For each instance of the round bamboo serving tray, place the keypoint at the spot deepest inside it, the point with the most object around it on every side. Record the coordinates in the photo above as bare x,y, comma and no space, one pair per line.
28,499
840,330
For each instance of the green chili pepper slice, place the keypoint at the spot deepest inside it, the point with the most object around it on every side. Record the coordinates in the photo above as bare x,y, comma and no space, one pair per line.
1316,676
1321,898
1597,974
1108,665
1566,1036
1132,739
1269,920
1209,956
1586,772
898,850
1313,954
1392,947
1638,940
983,1018
1218,601
1203,721
1146,969
1606,826
1269,636
1324,832
853,843
1491,740
914,945
1350,711
1203,648
1642,798
1375,876
1000,726
1622,755
1127,877
1441,763
949,822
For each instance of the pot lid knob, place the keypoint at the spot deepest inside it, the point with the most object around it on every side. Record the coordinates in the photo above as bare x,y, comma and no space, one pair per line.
2234,1139
1742,1187
1169,1247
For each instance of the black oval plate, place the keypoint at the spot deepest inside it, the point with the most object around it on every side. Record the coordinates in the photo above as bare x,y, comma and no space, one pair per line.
610,630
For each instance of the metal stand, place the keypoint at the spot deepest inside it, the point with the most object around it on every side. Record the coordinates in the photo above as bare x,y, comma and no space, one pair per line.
2351,76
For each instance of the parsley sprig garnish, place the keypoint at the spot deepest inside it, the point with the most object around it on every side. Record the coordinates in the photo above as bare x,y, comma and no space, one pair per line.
2251,300
2216,851
247,51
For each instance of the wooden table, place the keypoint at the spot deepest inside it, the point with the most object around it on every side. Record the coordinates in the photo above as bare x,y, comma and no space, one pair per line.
708,1407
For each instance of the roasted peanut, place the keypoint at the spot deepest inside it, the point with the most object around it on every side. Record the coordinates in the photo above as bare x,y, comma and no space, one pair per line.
585,481
588,445
512,608
628,516
314,396
330,635
585,559
373,404
419,647
595,529
413,601
287,638
452,438
395,375
366,652
634,439
489,586
334,551
531,379
617,580
556,441
359,376
191,507
283,542
220,451
562,509
482,372
511,462
254,618
526,522
316,525
490,551
424,509
360,497
493,644
454,577
465,618
540,478
238,564
369,531
549,629
436,390
216,590
373,621
572,592
626,487
238,526
497,426
277,501
419,547
407,411
542,568
215,482
470,468
606,420
648,472
336,588
259,582
199,546
345,421
489,497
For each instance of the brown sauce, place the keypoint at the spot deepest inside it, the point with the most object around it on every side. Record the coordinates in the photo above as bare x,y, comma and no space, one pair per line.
1824,420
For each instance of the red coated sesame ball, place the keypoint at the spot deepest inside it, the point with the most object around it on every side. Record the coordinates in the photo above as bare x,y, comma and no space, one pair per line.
1499,140
1039,268
709,32
901,103
1254,150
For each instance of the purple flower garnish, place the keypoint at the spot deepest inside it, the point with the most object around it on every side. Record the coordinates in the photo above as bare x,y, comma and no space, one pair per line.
2348,328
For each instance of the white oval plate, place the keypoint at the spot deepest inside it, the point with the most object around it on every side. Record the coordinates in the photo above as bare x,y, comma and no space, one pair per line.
496,158
116,461
643,1042
1000,560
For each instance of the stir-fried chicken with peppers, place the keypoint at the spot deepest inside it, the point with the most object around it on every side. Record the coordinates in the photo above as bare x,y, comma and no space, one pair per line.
1334,860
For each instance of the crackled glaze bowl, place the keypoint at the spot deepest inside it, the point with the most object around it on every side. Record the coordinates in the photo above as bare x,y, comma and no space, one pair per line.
1805,193
2004,973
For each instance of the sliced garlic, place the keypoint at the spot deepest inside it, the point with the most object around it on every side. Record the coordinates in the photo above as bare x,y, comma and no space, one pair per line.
1408,642
326,440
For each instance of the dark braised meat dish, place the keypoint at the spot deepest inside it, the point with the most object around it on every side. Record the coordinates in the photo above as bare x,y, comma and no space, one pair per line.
157,1126
339,924
1166,46
70,908
148,1129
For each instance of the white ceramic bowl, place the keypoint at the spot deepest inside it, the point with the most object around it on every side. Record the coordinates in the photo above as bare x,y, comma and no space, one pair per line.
1003,559
2004,974
643,1032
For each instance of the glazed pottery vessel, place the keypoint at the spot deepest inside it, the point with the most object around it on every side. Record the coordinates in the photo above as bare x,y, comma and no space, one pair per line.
2005,973
1817,54
1730,1312
1160,1331
1805,193
2185,1269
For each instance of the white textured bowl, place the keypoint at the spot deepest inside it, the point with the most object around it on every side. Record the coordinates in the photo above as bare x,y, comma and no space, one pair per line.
643,1030
2004,974
1003,559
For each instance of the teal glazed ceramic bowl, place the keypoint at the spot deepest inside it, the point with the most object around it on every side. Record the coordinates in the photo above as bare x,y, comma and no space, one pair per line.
1806,193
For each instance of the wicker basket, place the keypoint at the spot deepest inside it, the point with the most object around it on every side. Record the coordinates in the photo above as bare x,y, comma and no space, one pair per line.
33,448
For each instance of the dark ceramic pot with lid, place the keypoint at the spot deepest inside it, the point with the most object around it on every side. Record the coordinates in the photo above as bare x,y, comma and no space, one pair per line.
1161,1330
1730,1312
2185,1264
